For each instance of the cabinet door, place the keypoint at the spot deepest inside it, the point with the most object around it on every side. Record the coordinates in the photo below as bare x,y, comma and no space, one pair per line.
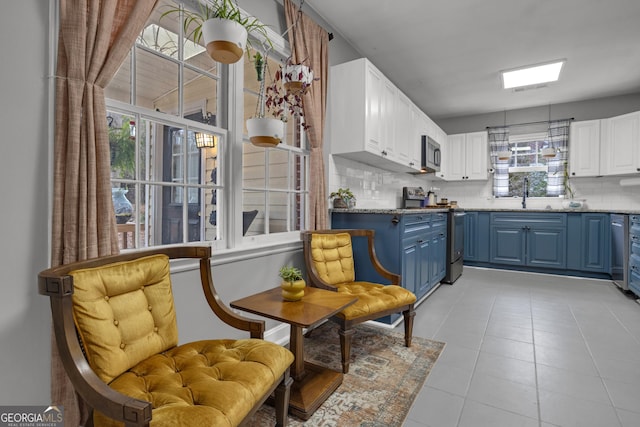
388,123
470,236
546,247
584,148
403,129
456,158
476,156
375,112
410,265
423,284
508,245
595,242
620,145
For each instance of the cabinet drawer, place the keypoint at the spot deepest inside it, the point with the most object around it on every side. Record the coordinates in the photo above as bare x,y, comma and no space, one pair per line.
530,219
439,217
634,219
635,246
416,224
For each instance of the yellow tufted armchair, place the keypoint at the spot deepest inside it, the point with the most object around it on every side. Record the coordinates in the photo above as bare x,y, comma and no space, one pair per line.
115,326
328,256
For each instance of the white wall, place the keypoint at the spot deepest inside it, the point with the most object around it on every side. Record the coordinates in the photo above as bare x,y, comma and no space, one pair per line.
378,189
24,315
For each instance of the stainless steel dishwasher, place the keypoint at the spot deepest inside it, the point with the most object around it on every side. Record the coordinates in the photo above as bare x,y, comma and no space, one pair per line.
620,250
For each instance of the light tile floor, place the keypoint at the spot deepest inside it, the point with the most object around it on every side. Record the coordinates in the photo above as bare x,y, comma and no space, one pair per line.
530,350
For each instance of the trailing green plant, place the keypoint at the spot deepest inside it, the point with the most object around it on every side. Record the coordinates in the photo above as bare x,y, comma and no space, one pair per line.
274,100
568,190
222,9
290,274
342,193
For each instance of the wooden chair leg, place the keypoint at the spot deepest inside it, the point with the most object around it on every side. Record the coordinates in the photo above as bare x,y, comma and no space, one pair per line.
282,394
345,347
408,325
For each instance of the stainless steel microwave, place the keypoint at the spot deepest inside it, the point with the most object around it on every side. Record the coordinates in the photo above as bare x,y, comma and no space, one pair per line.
431,155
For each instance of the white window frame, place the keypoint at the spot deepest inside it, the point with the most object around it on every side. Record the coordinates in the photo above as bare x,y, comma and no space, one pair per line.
230,155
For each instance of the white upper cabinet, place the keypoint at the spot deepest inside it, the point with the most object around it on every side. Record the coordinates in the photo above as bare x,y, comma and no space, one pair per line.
465,157
620,145
584,148
371,121
605,147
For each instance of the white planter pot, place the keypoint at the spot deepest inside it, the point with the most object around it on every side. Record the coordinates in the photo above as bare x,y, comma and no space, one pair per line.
548,152
225,40
265,131
297,78
504,155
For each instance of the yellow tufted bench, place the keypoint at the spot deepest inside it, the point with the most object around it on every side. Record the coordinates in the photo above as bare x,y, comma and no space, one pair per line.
329,261
127,364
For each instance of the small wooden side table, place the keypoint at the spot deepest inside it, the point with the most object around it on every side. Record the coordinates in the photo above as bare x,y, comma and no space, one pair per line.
313,384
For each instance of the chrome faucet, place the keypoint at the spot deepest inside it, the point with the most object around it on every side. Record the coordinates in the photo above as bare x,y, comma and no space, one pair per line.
525,192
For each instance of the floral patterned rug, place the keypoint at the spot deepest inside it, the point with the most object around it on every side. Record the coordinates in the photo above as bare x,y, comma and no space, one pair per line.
382,383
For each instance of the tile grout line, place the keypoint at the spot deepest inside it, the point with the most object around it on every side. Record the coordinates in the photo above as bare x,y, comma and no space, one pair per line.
593,360
535,360
475,365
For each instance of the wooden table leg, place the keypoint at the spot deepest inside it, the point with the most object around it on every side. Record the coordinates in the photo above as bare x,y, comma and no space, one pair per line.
312,384
296,341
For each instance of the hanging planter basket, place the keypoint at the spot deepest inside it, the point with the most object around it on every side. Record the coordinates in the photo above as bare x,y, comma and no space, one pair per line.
504,155
265,131
548,152
297,78
224,39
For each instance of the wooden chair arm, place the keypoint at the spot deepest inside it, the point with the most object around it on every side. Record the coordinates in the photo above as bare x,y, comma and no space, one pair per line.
254,327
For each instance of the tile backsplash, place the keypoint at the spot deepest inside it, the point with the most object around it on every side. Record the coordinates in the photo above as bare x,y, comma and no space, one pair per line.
375,188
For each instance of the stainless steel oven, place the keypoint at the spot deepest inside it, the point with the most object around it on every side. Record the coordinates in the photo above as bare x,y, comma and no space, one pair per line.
455,245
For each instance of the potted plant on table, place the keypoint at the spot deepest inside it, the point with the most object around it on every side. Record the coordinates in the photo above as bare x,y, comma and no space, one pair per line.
343,199
292,283
223,27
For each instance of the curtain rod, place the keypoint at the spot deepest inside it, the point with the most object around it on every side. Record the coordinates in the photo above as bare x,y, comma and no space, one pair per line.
531,123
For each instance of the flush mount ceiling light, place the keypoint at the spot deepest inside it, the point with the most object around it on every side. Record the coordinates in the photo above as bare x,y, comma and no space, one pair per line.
532,75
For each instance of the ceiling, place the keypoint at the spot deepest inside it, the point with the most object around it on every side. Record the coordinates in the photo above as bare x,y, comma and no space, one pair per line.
446,55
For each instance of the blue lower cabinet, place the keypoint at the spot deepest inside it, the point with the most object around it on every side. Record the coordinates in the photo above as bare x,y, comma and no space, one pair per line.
437,253
529,239
476,237
410,244
634,254
508,245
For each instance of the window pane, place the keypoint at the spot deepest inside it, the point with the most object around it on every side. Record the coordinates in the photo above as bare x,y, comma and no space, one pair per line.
278,210
537,184
253,213
156,82
279,169
122,144
253,167
119,88
201,92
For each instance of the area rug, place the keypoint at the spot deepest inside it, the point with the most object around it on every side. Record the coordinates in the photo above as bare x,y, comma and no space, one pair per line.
383,380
